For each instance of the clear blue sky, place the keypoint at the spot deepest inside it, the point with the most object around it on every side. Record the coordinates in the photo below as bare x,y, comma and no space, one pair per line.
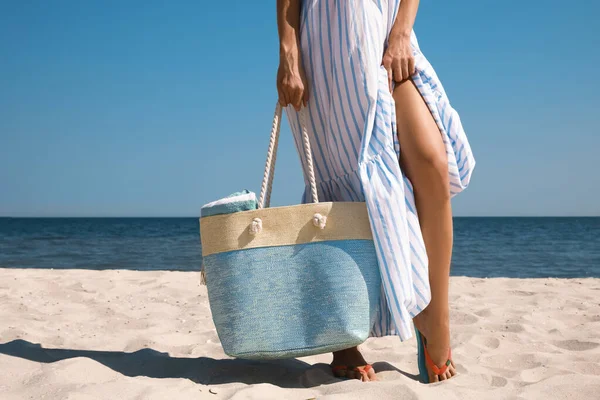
153,108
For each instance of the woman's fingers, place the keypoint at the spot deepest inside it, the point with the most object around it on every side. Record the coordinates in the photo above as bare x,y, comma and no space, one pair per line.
292,92
387,64
405,74
398,72
281,97
296,98
411,66
403,69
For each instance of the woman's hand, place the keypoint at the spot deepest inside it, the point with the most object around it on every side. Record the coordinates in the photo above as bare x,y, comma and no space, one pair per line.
398,59
291,81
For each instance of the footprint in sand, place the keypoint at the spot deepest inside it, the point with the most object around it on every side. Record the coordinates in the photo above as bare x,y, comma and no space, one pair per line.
524,361
507,327
534,375
79,287
498,381
461,318
486,312
576,345
487,342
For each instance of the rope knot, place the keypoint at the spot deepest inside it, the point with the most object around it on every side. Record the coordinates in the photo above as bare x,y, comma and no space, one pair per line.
255,227
319,221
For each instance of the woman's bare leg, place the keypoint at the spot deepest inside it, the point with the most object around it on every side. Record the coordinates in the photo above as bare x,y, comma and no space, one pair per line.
424,161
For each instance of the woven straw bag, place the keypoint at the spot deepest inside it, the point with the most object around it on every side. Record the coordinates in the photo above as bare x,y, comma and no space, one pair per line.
291,281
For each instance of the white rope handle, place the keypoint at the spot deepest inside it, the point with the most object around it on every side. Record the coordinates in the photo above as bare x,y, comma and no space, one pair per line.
308,154
277,116
271,156
264,200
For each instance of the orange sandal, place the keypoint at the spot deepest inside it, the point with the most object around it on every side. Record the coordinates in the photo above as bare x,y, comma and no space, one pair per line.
338,368
425,359
362,370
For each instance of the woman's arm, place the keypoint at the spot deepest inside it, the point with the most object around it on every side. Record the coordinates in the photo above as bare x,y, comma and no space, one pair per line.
291,83
288,25
398,59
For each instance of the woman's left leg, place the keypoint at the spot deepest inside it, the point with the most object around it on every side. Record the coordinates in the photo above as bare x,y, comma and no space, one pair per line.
424,161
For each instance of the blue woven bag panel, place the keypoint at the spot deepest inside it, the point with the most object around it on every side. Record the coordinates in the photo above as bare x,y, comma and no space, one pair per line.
293,301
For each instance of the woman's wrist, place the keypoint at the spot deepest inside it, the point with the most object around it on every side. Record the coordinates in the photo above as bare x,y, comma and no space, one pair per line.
288,48
400,34
289,55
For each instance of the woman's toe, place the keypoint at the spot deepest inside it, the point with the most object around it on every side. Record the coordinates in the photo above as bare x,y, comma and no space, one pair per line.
451,370
366,375
372,375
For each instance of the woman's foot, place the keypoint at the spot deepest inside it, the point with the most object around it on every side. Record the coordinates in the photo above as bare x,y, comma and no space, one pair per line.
351,364
434,326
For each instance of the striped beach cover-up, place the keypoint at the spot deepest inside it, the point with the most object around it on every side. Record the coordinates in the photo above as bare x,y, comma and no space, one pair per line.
352,126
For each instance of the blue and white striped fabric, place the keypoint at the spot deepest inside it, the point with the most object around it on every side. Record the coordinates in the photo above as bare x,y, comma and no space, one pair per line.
352,126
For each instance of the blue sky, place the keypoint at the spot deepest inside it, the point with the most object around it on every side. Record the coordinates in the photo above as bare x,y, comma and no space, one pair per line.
153,108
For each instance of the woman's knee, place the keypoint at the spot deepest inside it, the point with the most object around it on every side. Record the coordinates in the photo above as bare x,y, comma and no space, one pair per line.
430,173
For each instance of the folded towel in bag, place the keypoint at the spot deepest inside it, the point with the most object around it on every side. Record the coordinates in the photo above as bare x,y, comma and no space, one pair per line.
236,202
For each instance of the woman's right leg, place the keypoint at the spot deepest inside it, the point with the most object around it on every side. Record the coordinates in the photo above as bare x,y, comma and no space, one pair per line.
424,161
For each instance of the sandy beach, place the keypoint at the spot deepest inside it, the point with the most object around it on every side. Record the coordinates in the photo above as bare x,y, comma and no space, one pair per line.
73,334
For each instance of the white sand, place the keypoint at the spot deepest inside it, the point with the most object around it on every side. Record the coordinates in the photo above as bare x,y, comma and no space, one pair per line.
149,335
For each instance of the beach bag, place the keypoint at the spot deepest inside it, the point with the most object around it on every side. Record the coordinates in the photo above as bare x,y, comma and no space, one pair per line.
291,281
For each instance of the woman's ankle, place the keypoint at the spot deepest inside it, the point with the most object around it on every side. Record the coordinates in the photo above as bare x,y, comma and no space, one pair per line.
352,355
433,318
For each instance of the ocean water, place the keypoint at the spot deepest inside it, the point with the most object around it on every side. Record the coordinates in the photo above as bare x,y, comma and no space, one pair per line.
483,247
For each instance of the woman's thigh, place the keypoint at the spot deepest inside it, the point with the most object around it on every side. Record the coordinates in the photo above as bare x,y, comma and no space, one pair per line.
422,150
